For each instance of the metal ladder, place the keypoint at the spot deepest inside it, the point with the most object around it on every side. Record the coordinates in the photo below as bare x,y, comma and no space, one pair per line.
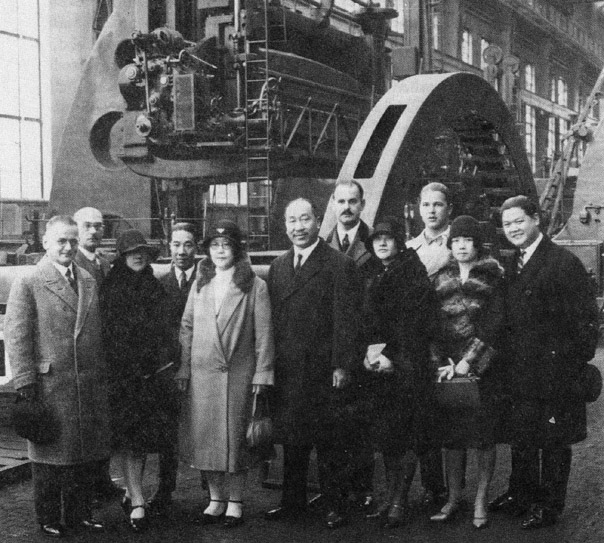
258,144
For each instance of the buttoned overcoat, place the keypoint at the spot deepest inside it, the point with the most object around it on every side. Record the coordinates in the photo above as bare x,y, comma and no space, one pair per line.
53,338
316,315
551,315
222,357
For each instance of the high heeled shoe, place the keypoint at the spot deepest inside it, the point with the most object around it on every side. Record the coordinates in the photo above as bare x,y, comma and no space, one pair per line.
447,513
480,523
398,515
231,521
139,524
207,519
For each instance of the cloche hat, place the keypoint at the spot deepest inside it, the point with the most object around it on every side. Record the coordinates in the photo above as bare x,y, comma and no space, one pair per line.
390,226
465,226
224,229
133,240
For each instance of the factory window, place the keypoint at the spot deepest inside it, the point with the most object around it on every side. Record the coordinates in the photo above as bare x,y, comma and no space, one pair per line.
21,169
103,10
234,194
467,47
436,38
559,91
530,82
530,138
483,45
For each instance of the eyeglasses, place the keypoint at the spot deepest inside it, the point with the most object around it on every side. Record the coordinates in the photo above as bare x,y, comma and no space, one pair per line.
221,245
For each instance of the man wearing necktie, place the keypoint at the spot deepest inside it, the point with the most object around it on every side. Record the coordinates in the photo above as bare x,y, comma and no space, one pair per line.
552,332
177,282
316,319
349,236
54,344
350,233
90,234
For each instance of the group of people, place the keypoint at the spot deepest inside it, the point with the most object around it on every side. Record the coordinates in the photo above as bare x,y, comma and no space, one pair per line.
348,338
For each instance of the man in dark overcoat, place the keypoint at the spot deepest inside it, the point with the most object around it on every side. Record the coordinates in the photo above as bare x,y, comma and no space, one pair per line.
177,282
349,236
53,341
90,232
552,334
315,298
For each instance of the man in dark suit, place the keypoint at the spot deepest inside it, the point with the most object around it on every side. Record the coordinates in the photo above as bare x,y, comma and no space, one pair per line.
315,299
349,236
90,233
552,327
177,282
350,233
54,344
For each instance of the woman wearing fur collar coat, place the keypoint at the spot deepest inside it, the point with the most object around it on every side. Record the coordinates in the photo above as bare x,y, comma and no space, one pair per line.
227,356
471,309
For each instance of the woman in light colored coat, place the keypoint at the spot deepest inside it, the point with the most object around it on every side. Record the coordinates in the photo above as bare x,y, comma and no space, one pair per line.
227,357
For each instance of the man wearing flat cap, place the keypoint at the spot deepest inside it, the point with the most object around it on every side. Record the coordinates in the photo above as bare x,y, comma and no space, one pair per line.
53,341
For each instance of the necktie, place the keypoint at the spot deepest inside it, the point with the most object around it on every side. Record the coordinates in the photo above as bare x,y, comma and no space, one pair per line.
298,265
520,263
345,243
71,280
182,281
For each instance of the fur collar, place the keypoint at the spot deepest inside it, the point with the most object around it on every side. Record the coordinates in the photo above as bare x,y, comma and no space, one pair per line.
243,276
484,275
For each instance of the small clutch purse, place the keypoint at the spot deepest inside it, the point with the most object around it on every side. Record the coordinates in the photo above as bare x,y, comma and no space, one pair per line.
458,393
260,429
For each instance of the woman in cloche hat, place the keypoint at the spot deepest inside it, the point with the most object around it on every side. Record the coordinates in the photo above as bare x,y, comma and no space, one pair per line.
136,337
471,315
227,356
398,318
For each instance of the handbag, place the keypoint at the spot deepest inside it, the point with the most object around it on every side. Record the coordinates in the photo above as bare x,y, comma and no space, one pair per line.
259,433
34,420
458,393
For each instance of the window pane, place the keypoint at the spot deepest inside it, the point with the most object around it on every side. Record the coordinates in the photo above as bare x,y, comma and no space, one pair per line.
10,172
9,104
8,16
31,161
28,18
30,87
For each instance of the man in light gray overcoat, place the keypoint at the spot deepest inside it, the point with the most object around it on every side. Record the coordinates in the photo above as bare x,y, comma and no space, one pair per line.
53,342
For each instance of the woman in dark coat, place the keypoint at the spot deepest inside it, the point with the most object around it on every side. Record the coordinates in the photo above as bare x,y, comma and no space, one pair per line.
469,290
136,338
399,316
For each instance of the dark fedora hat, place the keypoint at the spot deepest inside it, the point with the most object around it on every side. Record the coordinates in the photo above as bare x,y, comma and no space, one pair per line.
32,419
133,240
390,226
224,229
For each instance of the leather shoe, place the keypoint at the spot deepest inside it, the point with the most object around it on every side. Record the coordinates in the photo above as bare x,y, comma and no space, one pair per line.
90,524
334,520
53,529
507,503
232,522
108,492
540,517
283,513
316,502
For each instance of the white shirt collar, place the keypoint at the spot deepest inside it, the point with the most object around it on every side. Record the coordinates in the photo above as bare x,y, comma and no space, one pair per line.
528,252
352,233
89,256
63,269
188,272
440,239
306,252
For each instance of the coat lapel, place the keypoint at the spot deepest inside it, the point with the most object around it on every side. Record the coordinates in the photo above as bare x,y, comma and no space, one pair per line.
208,303
310,268
86,288
231,302
58,285
531,269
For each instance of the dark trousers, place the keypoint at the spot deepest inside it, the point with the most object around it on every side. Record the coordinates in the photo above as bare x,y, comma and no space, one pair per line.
69,486
331,463
540,479
102,478
168,453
